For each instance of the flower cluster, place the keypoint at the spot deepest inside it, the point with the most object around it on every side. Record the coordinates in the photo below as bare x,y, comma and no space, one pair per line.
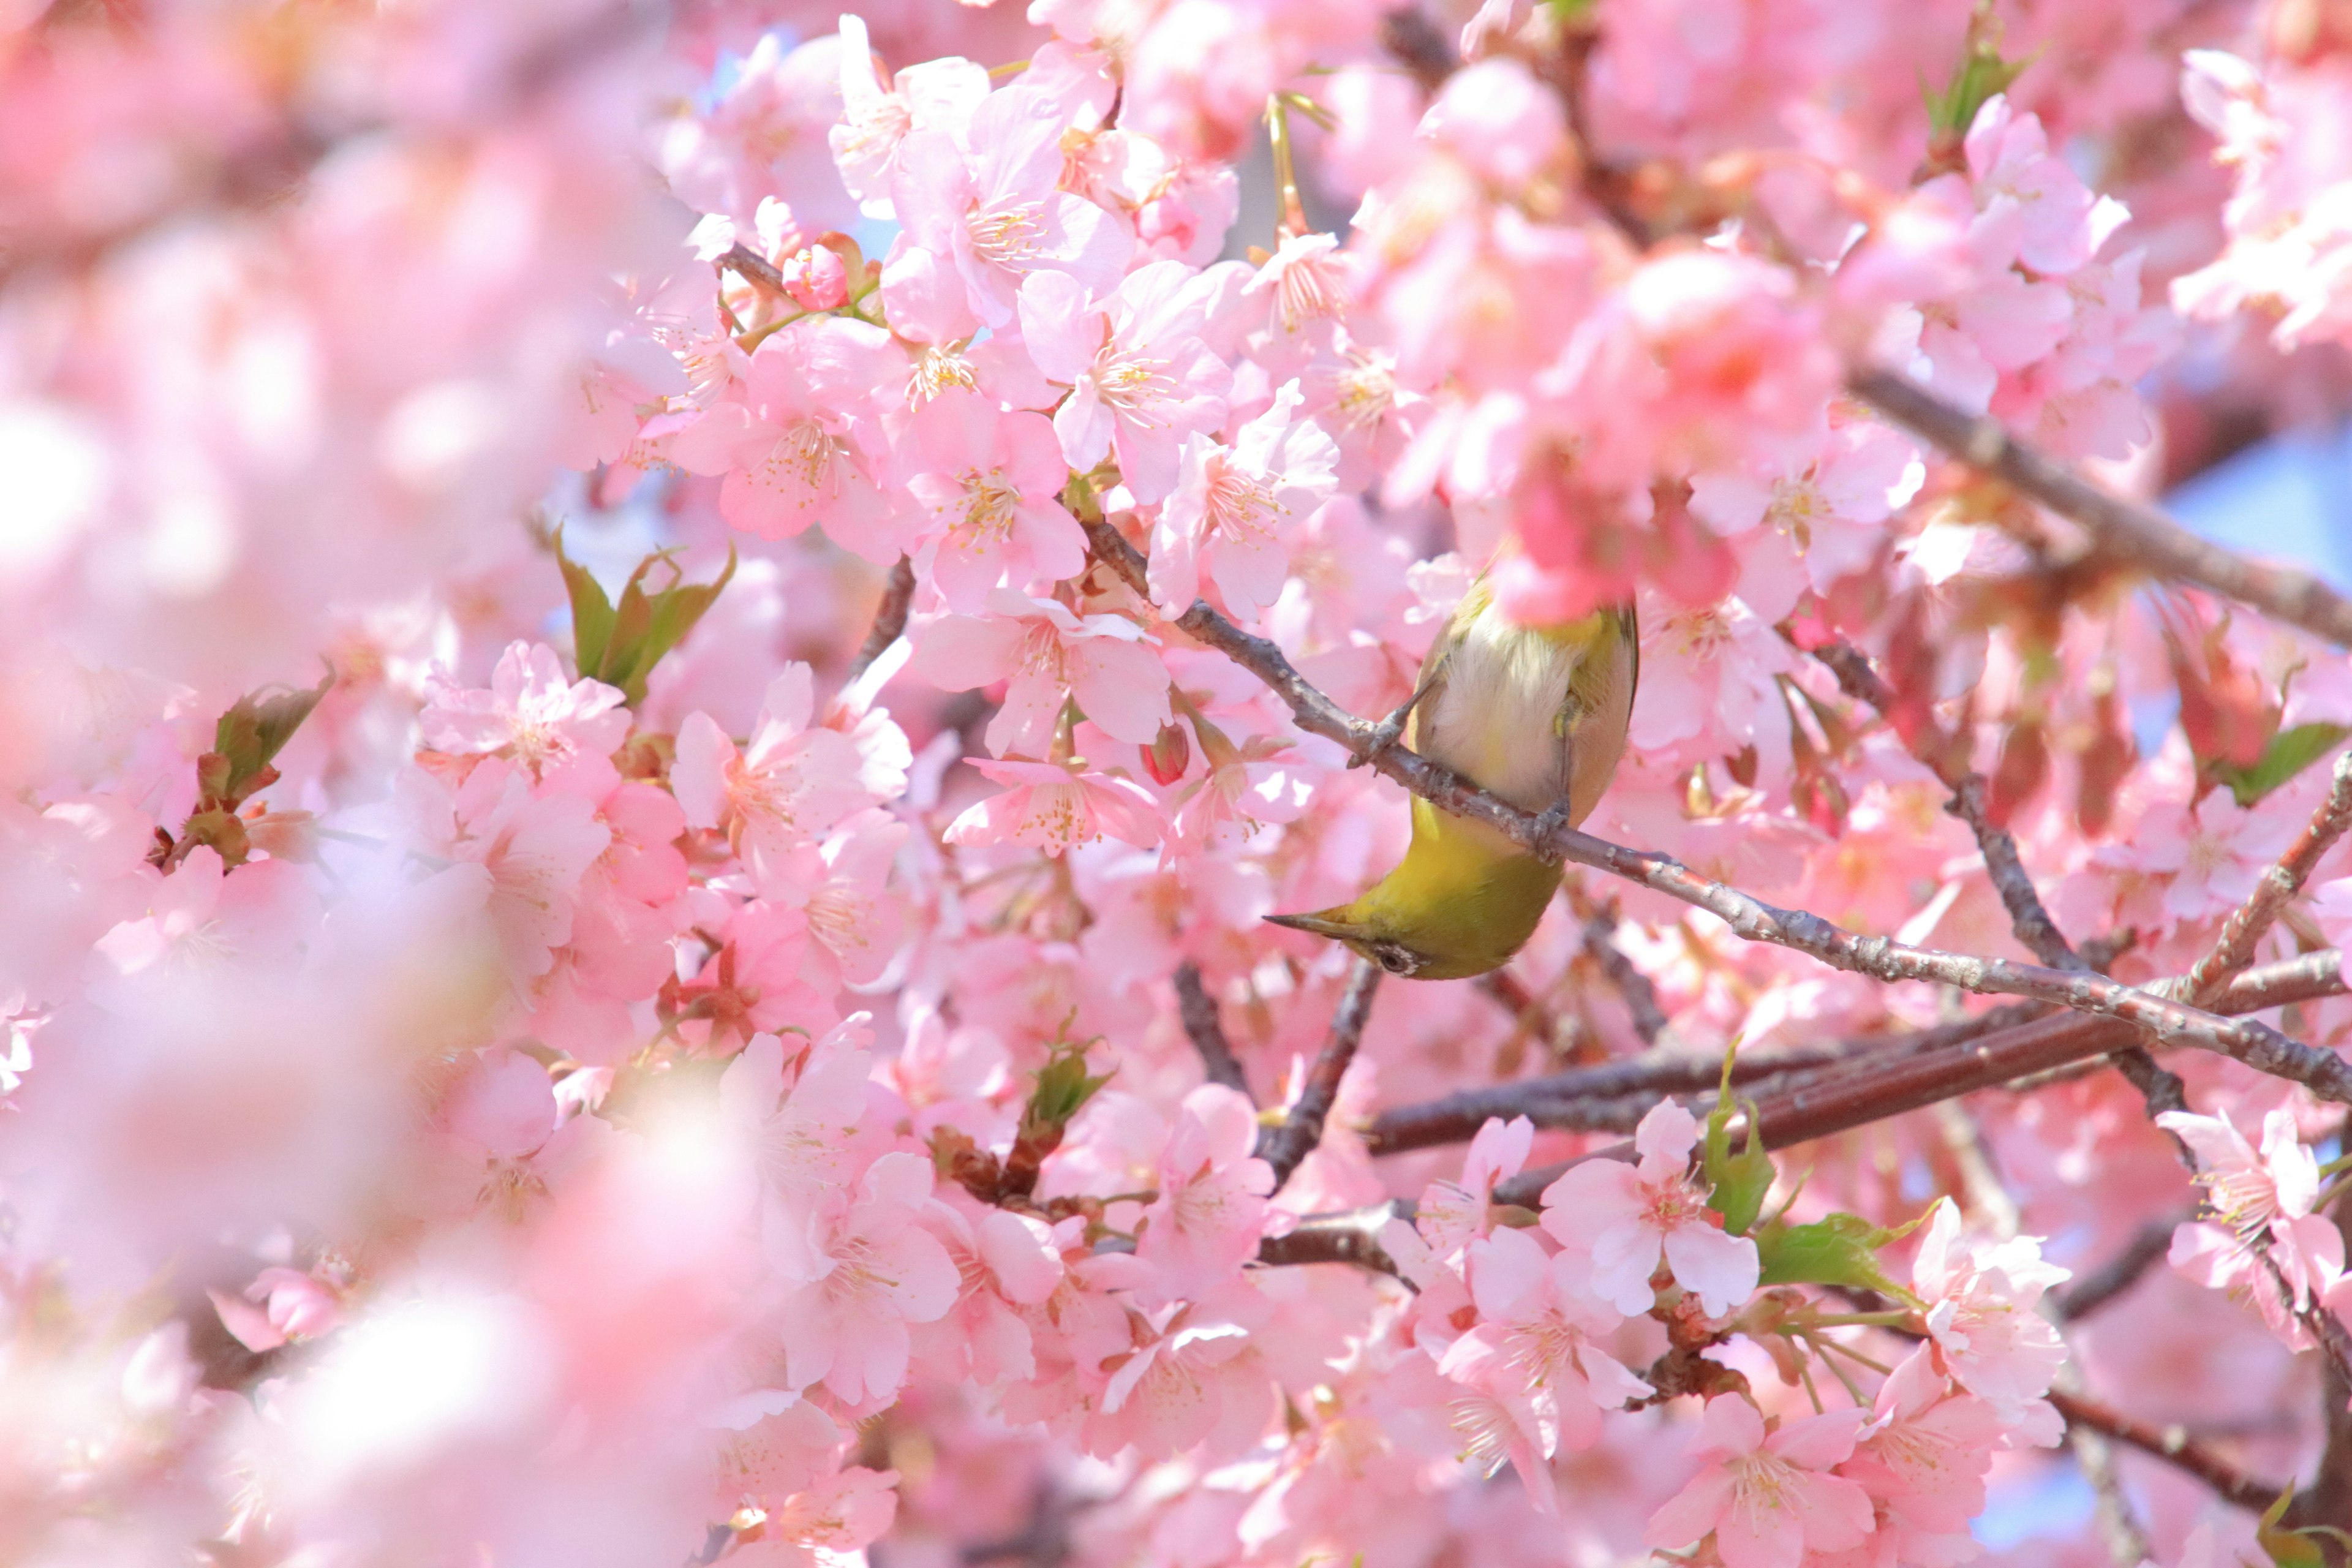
732,1019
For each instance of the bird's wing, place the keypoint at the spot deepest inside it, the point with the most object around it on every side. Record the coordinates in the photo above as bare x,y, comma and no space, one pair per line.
1429,689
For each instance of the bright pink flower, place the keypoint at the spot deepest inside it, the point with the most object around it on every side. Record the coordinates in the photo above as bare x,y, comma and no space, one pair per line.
798,1126
1626,1218
1046,656
1925,1451
2261,1203
803,443
829,1523
1500,121
878,110
861,1269
1052,807
1981,1297
1004,1261
1768,1499
1140,378
2060,226
204,922
841,886
990,484
785,787
1227,517
531,852
1501,1425
1211,1207
1536,1335
1306,281
992,203
1177,1388
1451,1213
531,714
292,1307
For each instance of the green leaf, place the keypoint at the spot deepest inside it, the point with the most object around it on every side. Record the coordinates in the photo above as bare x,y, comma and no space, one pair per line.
1738,1182
620,644
1064,1087
1982,75
2289,752
2294,1548
1841,1250
251,735
592,612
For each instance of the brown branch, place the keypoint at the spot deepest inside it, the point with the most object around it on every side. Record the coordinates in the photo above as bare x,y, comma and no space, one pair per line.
2028,917
1882,958
2091,1291
752,268
1352,1235
1289,1142
2234,948
1198,1010
890,616
2174,1446
1640,998
1867,1091
1640,1081
1416,44
2125,530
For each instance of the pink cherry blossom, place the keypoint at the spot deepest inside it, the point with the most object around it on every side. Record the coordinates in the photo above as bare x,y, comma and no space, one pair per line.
1625,1218
1053,806
1225,519
1767,1497
1211,1206
2262,1205
531,714
1048,655
860,1270
1140,377
1537,1332
1981,1298
1452,1213
989,201
879,112
988,482
784,787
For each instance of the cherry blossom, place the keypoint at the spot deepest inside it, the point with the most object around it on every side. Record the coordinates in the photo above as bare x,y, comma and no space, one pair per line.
1766,1495
1626,1218
2264,1242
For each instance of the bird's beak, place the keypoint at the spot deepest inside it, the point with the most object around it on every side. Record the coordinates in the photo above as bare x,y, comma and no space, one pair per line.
1316,924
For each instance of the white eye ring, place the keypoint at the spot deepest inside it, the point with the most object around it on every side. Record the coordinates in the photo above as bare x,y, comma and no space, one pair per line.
1396,959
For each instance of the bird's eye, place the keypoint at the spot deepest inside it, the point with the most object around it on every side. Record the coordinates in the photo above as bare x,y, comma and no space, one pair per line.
1396,959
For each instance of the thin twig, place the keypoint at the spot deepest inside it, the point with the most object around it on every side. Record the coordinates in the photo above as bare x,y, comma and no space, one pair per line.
753,266
890,616
2094,1289
2125,530
2174,1446
1640,998
2234,948
1882,958
1198,1010
1351,1235
1289,1142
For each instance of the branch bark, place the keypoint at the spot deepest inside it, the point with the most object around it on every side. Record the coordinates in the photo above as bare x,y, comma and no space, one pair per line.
2174,1446
2234,948
2172,1023
1283,1146
2119,1274
1198,1010
2125,531
889,616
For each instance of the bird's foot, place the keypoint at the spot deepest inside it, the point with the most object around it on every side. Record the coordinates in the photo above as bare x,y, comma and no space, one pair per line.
1387,732
1552,822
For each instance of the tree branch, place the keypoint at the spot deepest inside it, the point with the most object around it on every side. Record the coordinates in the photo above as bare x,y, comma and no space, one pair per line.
890,616
1283,1146
2174,1446
1882,958
2234,948
2125,530
2119,1274
1871,1091
1198,1010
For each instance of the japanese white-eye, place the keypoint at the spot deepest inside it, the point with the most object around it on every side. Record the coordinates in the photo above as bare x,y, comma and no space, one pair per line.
1536,715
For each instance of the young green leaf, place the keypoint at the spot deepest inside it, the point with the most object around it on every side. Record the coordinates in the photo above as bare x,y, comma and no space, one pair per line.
1839,1249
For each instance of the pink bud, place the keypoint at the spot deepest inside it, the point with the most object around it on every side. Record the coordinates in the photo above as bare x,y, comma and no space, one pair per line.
817,279
1169,755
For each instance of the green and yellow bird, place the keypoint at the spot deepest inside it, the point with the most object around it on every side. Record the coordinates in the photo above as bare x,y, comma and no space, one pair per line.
1536,715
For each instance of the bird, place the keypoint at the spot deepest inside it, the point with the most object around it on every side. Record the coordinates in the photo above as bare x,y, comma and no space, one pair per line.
1536,715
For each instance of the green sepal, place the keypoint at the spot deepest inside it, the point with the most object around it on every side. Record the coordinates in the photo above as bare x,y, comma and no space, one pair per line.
248,738
2288,753
1060,1089
620,644
1839,1249
2295,1548
1736,1182
1982,75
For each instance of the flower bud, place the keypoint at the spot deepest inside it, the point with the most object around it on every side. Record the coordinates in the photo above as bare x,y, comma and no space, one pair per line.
1169,755
817,279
